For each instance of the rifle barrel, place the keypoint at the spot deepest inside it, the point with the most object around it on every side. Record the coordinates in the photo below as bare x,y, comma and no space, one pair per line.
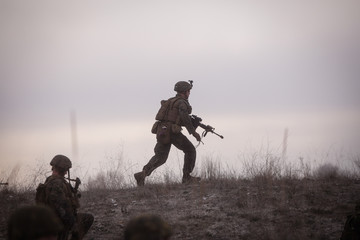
70,179
209,128
221,136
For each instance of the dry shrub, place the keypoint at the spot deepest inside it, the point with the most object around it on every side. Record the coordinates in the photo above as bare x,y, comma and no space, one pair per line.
262,167
11,181
357,163
305,168
169,177
211,169
327,171
111,175
37,174
25,178
214,170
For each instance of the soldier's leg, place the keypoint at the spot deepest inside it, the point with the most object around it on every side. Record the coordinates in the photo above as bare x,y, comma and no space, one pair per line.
83,224
183,143
160,157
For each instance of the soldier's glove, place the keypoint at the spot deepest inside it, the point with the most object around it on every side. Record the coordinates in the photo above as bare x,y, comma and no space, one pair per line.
197,136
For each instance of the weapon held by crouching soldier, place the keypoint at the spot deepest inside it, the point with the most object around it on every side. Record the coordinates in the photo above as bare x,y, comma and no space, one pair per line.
75,188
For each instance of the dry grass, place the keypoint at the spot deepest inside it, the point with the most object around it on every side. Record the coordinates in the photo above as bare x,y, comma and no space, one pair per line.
111,176
269,200
221,208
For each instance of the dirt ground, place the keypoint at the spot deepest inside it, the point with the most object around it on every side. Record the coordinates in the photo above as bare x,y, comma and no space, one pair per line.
221,209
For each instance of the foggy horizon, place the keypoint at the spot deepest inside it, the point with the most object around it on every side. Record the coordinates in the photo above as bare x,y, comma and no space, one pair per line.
258,68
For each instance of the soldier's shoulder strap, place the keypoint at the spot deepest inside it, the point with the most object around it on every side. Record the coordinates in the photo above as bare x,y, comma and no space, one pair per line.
173,100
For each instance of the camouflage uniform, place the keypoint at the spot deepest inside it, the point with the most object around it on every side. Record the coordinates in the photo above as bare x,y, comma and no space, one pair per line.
177,115
61,198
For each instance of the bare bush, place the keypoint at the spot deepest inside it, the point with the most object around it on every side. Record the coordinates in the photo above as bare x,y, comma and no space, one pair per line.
111,176
357,163
169,176
260,166
326,171
305,168
211,169
215,170
12,180
36,175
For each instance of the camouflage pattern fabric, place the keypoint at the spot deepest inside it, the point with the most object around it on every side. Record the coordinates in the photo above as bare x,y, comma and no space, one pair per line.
64,202
61,198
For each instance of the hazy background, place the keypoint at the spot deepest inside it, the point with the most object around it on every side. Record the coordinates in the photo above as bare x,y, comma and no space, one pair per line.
258,67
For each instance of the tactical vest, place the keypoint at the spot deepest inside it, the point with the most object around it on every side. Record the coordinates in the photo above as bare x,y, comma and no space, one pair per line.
42,194
169,110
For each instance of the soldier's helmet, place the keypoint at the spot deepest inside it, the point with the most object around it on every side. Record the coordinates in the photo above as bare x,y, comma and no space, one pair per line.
33,222
183,86
62,162
147,227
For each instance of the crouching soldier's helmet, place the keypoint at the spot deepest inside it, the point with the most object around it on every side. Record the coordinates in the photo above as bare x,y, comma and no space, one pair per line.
183,86
62,162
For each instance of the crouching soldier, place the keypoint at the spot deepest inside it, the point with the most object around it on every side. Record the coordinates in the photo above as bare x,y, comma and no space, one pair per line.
60,196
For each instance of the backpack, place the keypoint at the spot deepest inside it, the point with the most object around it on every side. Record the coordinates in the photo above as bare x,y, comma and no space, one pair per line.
40,196
167,111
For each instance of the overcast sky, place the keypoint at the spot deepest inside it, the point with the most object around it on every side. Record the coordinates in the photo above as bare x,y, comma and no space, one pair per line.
113,61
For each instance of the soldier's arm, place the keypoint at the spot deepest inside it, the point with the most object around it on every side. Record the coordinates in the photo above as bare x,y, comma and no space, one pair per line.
185,118
58,200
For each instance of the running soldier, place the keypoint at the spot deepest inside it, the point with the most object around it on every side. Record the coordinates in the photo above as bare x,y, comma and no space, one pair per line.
63,199
173,114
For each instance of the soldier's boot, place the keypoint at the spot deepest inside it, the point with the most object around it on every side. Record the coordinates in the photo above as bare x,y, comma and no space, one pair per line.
187,179
140,178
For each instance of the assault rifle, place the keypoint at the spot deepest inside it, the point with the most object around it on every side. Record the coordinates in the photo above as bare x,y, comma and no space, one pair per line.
76,187
196,122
